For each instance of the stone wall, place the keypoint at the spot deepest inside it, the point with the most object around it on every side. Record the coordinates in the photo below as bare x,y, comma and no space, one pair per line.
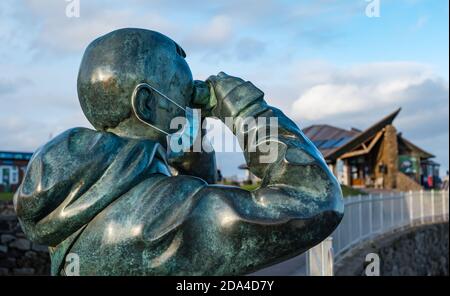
388,155
19,256
419,251
405,183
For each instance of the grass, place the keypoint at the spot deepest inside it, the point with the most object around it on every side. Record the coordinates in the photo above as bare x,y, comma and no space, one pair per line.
6,196
250,187
350,191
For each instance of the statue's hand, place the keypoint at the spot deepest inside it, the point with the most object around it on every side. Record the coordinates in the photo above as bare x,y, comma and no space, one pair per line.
209,96
202,98
220,86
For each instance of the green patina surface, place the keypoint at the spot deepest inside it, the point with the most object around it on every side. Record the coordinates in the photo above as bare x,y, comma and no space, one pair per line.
346,190
109,195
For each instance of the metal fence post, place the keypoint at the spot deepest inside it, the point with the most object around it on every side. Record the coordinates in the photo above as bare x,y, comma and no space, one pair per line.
444,208
352,221
411,210
360,216
392,209
402,208
381,212
319,259
322,257
330,257
422,215
370,215
432,205
339,243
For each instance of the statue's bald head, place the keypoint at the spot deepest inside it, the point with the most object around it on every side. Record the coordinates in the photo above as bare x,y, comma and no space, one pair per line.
114,64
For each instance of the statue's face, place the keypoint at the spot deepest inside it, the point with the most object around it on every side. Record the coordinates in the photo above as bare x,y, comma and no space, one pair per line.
167,72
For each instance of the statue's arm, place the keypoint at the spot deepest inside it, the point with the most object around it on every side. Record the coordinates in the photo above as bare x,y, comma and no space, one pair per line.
298,204
274,147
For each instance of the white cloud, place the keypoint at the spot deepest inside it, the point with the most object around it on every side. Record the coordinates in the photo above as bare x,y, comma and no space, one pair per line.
325,100
378,86
59,32
360,95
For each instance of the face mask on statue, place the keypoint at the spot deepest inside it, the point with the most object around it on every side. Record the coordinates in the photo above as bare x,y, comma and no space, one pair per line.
187,125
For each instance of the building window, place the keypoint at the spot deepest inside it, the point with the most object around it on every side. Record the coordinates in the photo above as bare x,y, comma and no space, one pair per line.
9,175
14,175
5,174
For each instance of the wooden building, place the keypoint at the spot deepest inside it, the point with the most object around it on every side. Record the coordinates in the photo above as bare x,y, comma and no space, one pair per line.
378,157
13,166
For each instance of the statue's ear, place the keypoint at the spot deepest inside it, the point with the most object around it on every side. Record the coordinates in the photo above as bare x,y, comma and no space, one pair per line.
143,103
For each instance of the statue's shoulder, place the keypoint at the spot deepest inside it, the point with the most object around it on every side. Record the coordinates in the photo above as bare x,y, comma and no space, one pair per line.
78,141
81,136
75,132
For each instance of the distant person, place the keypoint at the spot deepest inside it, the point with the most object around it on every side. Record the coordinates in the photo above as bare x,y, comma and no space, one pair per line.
430,182
219,176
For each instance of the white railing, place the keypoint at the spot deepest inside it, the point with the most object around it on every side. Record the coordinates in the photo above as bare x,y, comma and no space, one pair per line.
366,217
320,259
369,216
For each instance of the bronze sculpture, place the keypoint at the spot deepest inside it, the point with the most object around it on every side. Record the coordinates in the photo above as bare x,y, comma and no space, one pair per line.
110,197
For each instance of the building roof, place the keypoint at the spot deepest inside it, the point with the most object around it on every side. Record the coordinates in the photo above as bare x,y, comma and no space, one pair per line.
327,138
10,155
334,142
362,137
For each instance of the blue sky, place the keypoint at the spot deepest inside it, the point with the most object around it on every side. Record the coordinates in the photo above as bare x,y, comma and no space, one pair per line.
320,61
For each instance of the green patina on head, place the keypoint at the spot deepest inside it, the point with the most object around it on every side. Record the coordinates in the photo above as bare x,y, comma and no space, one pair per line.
114,64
